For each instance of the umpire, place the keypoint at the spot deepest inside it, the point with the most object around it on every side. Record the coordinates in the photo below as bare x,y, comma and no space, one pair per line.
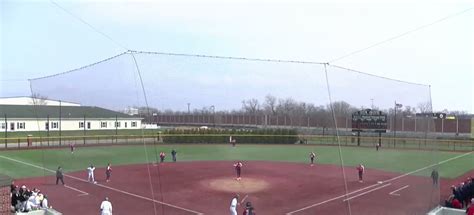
59,175
173,154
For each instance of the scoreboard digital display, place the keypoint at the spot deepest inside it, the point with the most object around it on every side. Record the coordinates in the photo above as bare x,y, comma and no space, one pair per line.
369,121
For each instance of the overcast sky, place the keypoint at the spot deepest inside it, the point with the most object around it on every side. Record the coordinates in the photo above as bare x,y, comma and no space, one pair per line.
38,38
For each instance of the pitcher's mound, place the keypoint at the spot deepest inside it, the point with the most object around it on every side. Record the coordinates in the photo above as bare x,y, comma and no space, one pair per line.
246,185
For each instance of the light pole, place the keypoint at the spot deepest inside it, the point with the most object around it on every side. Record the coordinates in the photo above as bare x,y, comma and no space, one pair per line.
213,115
189,110
395,123
372,104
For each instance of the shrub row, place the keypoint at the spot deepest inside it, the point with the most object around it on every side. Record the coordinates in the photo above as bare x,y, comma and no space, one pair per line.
264,136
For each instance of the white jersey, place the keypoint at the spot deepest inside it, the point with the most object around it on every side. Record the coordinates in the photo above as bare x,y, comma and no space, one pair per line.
233,206
106,208
90,170
90,176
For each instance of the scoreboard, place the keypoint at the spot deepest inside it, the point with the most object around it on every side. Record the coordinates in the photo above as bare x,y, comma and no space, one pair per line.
369,121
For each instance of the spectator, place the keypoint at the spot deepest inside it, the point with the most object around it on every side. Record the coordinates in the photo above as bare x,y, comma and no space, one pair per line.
455,203
45,203
24,200
470,209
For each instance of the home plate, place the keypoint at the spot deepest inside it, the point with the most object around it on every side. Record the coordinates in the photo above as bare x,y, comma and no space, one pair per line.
379,182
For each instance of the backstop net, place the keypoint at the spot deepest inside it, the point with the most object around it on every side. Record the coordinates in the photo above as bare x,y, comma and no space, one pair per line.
156,102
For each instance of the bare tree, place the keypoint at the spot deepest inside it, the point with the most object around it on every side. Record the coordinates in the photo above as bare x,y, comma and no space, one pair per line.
270,104
286,106
342,108
37,99
251,106
424,107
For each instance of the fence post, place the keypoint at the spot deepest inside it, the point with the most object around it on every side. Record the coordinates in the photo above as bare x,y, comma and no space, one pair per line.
442,126
6,129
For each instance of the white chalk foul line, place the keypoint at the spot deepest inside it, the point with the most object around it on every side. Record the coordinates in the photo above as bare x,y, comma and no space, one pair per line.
389,180
107,187
75,189
369,191
427,167
393,193
335,198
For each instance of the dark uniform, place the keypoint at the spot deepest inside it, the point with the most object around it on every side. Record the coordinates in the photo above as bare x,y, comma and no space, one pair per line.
435,176
173,153
238,168
312,156
59,175
108,172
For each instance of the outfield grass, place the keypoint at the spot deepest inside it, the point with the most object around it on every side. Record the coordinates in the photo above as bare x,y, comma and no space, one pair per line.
400,161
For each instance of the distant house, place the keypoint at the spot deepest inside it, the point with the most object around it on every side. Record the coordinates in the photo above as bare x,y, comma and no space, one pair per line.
17,115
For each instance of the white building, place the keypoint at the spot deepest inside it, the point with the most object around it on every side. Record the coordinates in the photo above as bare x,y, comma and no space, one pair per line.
27,117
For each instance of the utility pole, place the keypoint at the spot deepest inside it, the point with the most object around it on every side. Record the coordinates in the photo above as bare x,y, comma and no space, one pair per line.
84,125
395,123
60,107
213,115
6,129
47,127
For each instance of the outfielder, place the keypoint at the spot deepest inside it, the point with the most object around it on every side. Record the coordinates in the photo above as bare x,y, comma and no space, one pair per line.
232,141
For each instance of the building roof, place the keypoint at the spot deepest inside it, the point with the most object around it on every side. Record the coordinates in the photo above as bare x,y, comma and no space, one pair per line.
25,100
30,111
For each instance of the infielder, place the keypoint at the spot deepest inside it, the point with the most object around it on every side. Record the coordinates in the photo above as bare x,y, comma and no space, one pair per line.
233,204
312,155
238,168
162,157
108,172
361,170
90,173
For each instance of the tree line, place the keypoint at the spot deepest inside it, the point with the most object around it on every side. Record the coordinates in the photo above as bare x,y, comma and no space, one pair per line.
272,105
